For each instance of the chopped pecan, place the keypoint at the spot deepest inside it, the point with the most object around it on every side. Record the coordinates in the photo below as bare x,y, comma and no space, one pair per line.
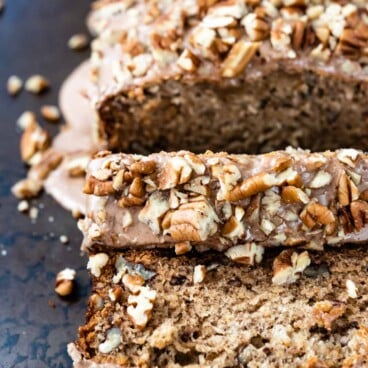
256,27
182,248
326,312
256,184
233,228
321,179
188,61
298,34
193,221
136,188
156,206
347,190
34,139
228,176
239,57
248,254
359,212
130,201
27,188
50,160
288,265
176,171
133,282
118,180
140,306
291,194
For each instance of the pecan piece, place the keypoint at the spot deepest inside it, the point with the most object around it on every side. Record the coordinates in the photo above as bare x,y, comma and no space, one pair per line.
239,57
288,265
248,254
143,167
359,212
176,171
98,187
130,201
137,188
291,194
34,139
193,221
347,190
256,184
315,213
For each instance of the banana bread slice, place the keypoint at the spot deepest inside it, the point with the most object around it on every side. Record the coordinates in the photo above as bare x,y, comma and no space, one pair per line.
153,309
237,76
292,198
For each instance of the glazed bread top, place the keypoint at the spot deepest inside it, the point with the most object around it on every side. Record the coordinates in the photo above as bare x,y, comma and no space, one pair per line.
293,198
141,43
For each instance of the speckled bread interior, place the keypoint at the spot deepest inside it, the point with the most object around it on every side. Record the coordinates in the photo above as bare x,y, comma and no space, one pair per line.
234,317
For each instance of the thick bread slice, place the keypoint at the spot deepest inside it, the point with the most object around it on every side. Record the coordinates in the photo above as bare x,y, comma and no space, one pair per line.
237,76
292,198
205,311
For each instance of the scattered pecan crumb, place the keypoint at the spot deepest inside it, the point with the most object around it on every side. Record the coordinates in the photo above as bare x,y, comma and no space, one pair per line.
199,274
23,206
288,265
65,282
26,119
64,239
33,213
78,42
14,85
26,188
50,113
36,84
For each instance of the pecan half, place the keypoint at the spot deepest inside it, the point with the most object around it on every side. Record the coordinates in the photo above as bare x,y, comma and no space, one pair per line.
98,187
239,57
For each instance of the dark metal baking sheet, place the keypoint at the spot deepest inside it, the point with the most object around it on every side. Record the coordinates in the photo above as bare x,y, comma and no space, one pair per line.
33,39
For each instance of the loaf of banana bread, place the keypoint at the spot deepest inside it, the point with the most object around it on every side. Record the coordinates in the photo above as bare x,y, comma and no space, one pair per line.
236,75
292,198
149,309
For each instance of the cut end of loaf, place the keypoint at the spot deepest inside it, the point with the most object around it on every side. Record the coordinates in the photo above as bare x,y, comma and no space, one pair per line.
264,112
232,317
